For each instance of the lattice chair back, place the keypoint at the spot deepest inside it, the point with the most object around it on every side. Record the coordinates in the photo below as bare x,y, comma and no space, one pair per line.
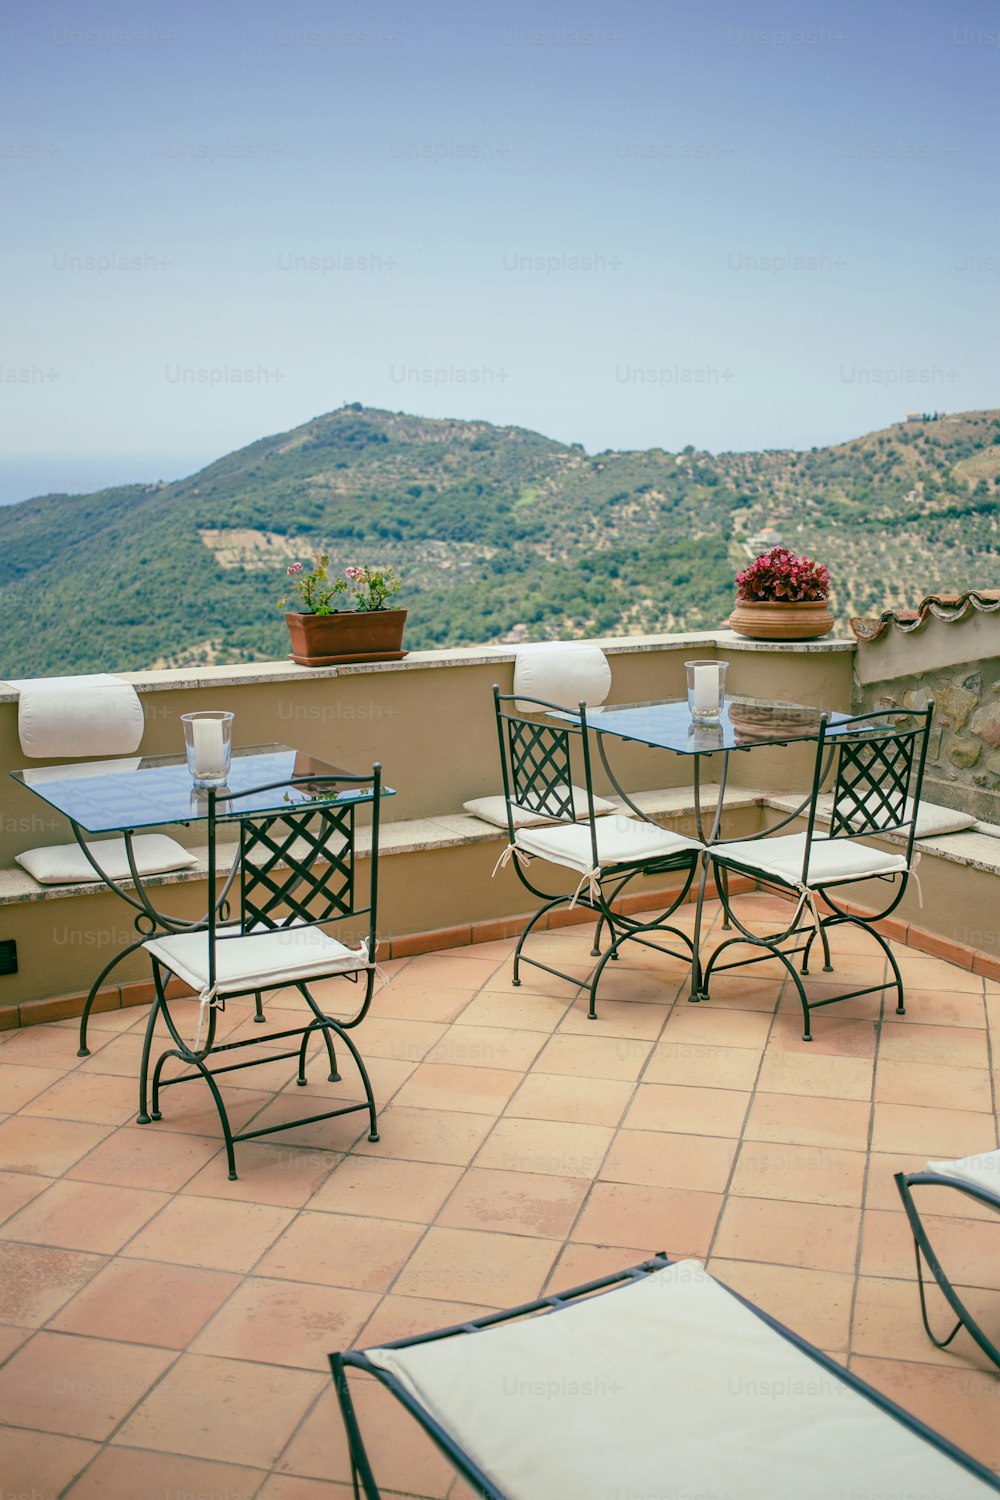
297,867
878,773
536,762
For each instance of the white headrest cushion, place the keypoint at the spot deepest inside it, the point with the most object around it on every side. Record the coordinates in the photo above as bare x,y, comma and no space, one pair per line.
73,716
563,672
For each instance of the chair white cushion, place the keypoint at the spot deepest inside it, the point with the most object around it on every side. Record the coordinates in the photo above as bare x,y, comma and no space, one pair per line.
932,820
668,1386
831,861
620,841
981,1171
494,809
260,960
95,714
565,672
66,864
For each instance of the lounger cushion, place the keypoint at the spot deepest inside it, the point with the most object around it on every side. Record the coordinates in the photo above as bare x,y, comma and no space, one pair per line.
260,960
620,841
494,810
668,1386
981,1171
831,860
66,864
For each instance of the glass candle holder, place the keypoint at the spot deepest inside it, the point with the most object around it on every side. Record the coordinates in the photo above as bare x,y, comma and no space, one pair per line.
208,741
706,690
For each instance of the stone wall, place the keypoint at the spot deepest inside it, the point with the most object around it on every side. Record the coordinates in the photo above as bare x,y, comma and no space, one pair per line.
956,665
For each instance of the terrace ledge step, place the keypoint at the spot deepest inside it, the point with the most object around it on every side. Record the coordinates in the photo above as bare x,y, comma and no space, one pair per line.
407,836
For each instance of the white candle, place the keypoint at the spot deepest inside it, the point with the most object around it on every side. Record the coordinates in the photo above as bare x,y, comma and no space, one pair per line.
209,747
706,688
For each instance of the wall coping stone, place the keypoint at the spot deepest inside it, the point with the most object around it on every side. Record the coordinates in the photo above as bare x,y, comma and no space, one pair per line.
249,673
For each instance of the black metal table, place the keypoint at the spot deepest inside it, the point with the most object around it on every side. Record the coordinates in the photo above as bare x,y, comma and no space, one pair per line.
744,724
135,794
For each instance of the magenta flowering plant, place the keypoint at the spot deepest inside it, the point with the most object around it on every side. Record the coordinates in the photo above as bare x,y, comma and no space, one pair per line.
318,592
779,577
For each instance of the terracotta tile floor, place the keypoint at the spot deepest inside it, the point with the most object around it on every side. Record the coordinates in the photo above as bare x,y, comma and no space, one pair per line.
158,1320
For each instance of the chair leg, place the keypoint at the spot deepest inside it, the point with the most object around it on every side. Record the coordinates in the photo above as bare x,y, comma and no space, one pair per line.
923,1251
362,1476
325,1022
722,879
897,976
543,911
195,1061
147,1044
259,1015
632,932
83,1050
334,1074
328,1023
827,961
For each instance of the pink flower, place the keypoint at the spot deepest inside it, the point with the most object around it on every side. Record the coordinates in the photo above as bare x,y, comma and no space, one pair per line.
295,568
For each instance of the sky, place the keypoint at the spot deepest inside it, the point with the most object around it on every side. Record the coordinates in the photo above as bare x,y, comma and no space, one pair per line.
631,224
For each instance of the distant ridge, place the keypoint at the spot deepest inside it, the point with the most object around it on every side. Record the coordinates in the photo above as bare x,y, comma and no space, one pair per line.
498,532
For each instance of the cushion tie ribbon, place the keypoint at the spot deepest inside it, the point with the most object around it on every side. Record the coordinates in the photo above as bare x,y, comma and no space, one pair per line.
512,852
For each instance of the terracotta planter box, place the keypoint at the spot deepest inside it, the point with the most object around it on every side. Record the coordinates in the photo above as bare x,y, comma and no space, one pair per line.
776,620
347,636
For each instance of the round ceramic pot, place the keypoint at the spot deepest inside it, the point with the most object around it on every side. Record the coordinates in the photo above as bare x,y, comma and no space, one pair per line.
347,636
778,620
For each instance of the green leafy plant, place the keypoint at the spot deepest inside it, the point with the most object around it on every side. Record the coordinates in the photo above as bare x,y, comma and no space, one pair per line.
314,588
368,588
371,587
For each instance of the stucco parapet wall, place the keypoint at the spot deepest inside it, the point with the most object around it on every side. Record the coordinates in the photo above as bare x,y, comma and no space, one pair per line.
250,673
937,646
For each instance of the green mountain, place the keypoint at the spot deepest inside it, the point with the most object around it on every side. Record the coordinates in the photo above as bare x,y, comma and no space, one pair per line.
498,533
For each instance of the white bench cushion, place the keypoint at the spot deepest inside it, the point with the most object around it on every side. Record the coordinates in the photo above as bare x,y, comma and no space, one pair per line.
669,1386
831,860
94,714
257,961
66,864
620,841
981,1171
494,809
932,819
565,672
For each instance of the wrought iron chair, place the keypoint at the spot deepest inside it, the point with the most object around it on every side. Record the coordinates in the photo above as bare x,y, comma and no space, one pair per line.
978,1178
878,772
654,1381
604,853
92,714
294,874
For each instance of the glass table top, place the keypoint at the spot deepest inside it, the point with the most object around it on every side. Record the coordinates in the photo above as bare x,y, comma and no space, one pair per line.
744,722
112,796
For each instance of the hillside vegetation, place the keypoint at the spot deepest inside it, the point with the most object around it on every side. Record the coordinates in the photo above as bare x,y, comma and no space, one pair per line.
498,533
